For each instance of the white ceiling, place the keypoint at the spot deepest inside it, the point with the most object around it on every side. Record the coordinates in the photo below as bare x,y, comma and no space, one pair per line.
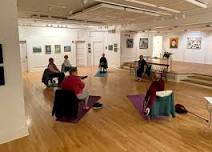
135,18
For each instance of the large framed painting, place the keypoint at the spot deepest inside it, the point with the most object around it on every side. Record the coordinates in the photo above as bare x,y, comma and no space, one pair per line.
37,49
130,43
143,43
173,43
57,49
194,42
1,54
48,49
67,48
2,81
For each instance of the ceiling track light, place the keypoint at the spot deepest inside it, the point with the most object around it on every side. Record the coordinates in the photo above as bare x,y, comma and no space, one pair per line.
153,5
197,3
150,12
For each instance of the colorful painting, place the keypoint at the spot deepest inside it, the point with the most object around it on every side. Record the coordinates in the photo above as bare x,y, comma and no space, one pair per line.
57,49
48,49
67,48
173,43
1,54
194,42
143,43
37,49
130,43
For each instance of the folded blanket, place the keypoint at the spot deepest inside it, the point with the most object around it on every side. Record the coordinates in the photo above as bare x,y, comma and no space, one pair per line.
163,93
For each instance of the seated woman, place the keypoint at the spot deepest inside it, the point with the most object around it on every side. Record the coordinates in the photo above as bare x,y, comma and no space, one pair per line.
150,98
142,65
54,71
103,64
66,66
74,83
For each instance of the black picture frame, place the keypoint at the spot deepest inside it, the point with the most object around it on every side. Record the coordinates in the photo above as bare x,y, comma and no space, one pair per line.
1,54
2,80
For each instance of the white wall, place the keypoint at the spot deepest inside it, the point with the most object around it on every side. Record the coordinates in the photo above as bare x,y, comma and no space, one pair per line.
41,36
132,54
203,55
12,113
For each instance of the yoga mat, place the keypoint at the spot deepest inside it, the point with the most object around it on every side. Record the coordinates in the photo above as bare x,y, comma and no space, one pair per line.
81,112
138,101
98,74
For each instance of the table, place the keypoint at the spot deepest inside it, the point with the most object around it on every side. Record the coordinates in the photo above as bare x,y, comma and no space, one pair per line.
209,108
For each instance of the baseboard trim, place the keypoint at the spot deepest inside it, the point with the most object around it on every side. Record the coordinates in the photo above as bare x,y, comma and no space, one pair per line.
13,135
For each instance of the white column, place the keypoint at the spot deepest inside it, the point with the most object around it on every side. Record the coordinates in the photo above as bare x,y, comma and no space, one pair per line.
12,113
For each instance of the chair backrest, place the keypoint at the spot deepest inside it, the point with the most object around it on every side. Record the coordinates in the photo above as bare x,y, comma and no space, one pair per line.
65,104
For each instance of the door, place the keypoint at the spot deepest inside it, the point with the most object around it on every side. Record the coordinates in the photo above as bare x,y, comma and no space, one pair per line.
23,54
97,51
157,46
81,53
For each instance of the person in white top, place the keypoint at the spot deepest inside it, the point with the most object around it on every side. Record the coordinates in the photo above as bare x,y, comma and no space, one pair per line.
66,66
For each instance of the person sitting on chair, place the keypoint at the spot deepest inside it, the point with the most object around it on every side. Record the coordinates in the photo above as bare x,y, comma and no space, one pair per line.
103,64
142,65
74,83
150,98
66,66
54,72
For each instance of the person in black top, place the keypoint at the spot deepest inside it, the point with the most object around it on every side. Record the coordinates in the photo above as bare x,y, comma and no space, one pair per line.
103,64
142,65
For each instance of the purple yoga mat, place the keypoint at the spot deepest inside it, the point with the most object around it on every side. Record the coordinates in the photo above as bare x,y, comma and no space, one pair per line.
81,112
138,101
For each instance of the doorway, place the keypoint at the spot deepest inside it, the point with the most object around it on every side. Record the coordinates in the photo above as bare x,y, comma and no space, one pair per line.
98,48
23,55
81,53
157,46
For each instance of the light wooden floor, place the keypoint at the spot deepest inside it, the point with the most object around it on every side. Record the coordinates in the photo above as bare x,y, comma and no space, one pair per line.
116,128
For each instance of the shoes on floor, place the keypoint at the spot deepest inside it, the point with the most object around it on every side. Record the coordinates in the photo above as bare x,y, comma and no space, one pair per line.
97,106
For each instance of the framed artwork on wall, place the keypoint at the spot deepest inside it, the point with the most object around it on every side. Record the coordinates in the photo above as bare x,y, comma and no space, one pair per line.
57,49
2,81
143,43
116,49
173,43
1,54
67,48
194,42
110,47
129,43
48,49
37,49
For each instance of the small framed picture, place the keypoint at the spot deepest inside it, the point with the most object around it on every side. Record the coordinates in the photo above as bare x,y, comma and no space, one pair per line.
37,49
67,48
1,54
130,43
48,49
110,47
2,81
57,49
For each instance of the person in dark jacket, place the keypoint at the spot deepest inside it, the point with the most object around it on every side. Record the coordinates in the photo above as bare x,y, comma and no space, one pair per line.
150,98
142,65
103,65
54,72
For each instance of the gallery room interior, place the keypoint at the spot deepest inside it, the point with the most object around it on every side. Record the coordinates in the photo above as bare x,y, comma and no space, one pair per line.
105,75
